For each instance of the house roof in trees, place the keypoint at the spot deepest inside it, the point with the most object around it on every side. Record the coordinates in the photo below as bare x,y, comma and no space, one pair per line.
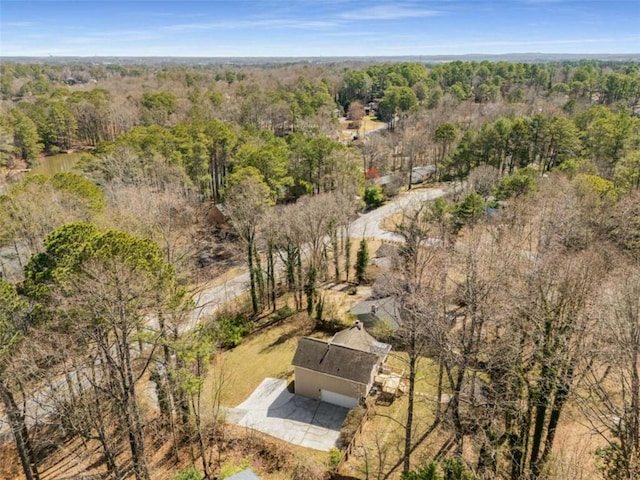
371,173
419,174
370,312
386,250
336,360
217,214
357,337
387,180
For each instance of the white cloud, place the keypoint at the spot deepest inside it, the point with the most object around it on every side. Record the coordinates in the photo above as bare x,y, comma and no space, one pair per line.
264,23
388,12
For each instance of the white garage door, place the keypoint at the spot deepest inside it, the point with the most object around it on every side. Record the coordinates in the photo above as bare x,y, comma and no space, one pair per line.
338,399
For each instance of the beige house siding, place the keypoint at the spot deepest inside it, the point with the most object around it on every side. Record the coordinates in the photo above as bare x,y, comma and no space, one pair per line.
310,383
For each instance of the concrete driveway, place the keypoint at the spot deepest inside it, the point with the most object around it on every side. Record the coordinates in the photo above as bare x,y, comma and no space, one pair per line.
272,409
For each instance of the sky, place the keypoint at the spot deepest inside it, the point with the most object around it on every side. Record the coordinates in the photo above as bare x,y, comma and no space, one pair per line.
305,28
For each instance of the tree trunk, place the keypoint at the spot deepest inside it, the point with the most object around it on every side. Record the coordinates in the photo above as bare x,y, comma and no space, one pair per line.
541,402
336,255
347,256
272,277
252,276
20,432
408,429
300,286
136,439
560,399
259,278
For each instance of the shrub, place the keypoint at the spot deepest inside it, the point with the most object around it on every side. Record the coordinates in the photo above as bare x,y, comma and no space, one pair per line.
520,183
469,211
335,456
454,469
189,473
283,312
426,472
229,469
373,196
362,261
309,469
231,328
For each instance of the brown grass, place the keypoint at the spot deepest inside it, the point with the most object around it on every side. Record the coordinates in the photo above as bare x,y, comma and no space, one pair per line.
381,442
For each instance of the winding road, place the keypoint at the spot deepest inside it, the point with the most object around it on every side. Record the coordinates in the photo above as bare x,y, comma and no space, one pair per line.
208,301
367,225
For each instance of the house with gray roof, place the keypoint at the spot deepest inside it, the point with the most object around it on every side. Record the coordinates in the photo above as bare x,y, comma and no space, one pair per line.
378,310
340,371
421,174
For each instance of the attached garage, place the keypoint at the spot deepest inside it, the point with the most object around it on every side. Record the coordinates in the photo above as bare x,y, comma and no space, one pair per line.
333,373
338,399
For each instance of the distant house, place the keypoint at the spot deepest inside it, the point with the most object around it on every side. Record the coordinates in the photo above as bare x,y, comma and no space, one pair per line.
390,184
340,371
386,257
217,215
422,174
379,310
372,107
372,173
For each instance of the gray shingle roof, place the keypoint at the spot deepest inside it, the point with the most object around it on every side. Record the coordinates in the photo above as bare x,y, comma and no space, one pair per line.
386,310
386,250
354,337
336,360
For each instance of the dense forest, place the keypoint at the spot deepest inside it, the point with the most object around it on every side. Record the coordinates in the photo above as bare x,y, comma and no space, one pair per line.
518,286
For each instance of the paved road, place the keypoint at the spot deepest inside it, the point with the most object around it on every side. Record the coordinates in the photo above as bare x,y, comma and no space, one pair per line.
368,225
210,300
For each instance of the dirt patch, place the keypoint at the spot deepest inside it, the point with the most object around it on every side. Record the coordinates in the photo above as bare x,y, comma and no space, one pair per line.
9,465
368,124
233,447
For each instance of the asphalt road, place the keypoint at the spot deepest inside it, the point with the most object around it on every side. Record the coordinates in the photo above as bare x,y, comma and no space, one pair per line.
209,301
367,225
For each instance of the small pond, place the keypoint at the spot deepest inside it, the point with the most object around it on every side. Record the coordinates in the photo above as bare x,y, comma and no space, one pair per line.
63,162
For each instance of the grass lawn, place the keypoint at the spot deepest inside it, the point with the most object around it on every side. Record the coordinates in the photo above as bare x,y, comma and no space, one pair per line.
267,353
382,441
